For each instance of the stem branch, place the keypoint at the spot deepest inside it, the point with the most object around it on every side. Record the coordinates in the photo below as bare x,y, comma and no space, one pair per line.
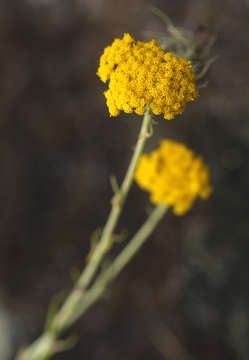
71,310
113,270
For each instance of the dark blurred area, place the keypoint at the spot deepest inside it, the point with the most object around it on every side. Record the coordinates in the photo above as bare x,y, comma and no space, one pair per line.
186,294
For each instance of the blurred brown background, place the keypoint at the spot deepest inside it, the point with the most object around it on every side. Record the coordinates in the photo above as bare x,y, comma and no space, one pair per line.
186,294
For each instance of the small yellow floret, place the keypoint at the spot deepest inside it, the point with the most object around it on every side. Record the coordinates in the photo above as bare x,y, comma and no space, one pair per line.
174,176
141,73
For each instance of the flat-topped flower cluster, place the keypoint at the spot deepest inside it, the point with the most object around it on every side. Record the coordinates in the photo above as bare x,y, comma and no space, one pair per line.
140,74
174,176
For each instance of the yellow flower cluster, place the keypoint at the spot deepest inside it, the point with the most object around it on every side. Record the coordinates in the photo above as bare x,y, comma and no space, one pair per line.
143,74
173,176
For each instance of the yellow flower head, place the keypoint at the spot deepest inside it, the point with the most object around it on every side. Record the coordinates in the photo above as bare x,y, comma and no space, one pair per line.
143,74
174,176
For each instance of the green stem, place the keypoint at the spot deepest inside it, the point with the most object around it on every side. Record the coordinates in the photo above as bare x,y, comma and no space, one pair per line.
42,348
117,206
65,317
113,270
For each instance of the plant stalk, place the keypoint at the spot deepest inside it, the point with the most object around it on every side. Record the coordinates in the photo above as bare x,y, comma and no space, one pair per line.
126,255
71,310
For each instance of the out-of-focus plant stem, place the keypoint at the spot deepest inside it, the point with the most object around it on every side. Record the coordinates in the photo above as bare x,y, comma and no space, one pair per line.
73,307
113,270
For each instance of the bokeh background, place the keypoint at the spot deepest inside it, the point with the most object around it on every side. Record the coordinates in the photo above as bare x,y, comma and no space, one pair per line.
186,295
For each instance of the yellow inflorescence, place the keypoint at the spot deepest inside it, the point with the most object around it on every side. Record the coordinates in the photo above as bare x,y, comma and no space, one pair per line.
142,74
173,176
